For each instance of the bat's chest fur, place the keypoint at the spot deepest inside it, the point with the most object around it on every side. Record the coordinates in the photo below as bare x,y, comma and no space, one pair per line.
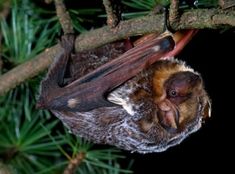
135,96
132,124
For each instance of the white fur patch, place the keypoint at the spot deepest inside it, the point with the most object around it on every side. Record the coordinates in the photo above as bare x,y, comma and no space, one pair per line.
72,103
156,48
116,98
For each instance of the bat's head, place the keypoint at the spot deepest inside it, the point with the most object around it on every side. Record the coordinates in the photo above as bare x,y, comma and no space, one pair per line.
180,97
165,104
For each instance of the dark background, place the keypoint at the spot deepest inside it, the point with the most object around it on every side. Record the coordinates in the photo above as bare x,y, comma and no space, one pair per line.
212,54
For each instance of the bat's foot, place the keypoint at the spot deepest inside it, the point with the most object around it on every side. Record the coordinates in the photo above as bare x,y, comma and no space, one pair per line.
67,42
40,105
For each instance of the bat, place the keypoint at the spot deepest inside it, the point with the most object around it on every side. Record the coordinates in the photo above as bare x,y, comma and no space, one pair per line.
128,96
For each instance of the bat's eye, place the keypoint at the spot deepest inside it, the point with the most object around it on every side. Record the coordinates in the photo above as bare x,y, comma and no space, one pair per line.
172,93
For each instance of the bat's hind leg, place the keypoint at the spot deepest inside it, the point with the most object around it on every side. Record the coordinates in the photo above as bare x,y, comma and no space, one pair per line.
55,78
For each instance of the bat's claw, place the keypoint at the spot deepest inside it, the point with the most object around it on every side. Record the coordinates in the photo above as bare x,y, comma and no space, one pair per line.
67,42
40,105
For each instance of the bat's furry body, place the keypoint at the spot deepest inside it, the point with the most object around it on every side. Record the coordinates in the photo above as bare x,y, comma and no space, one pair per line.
134,124
145,115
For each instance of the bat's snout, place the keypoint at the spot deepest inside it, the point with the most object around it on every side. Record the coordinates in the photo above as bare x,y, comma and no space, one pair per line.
193,79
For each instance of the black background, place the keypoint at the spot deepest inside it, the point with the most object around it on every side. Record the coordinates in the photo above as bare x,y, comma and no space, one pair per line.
212,54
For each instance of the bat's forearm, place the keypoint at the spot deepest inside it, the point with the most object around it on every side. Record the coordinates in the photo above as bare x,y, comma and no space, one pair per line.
89,91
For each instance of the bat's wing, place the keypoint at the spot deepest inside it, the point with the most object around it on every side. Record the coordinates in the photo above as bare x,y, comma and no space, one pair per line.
90,91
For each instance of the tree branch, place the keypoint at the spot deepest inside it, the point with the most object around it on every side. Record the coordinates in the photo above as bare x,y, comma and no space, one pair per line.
3,14
173,12
113,12
28,69
204,18
225,4
5,9
198,19
64,17
74,163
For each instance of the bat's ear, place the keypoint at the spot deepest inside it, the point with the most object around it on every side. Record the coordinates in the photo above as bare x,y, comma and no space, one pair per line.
207,110
206,107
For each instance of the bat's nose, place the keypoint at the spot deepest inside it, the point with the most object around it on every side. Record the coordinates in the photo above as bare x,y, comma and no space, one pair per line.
193,78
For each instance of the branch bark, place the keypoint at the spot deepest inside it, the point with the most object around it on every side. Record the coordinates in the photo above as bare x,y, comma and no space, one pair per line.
5,10
64,17
113,12
174,13
3,14
198,19
28,69
74,163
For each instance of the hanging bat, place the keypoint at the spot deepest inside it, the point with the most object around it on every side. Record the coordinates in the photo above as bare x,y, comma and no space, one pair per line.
126,96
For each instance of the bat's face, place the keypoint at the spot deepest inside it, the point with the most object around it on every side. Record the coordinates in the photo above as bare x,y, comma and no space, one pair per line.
178,92
179,103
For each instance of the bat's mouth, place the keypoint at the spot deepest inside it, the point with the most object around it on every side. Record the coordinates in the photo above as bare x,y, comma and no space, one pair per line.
203,110
178,136
193,127
176,139
168,116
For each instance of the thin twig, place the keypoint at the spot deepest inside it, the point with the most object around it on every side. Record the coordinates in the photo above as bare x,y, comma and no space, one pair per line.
198,19
3,14
113,12
74,163
48,1
5,169
1,62
64,17
174,12
5,9
225,4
